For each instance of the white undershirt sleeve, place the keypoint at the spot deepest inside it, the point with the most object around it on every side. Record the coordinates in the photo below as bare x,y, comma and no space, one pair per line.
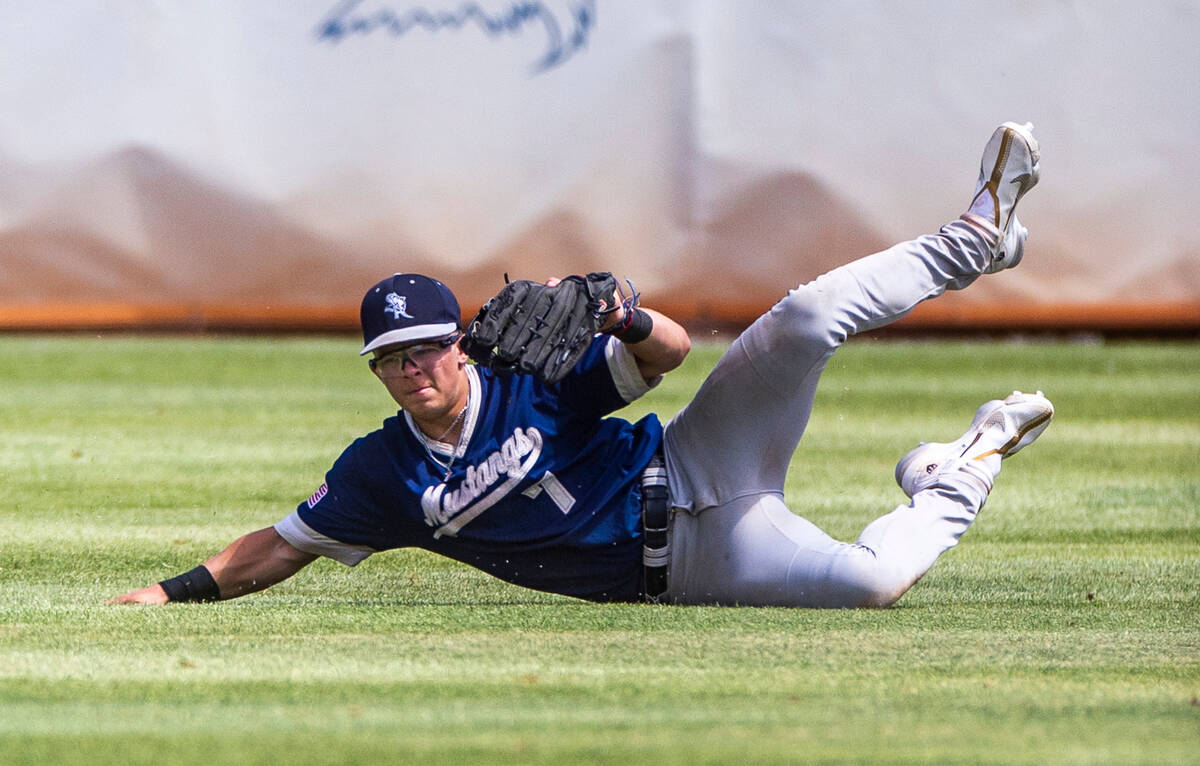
303,537
623,366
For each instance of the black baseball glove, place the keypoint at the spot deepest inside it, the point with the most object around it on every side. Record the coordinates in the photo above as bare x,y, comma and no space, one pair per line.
531,328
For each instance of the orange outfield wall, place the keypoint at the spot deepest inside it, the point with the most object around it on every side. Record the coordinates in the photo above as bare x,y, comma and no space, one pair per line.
939,316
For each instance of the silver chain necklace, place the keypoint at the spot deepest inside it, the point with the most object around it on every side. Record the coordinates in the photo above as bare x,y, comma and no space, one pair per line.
457,443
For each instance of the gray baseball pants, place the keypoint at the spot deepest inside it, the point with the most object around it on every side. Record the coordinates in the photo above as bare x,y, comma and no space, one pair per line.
733,541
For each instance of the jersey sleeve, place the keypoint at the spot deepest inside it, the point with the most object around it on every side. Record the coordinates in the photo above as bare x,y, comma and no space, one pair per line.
347,518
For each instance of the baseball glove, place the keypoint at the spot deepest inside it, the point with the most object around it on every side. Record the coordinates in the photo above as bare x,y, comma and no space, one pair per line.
531,328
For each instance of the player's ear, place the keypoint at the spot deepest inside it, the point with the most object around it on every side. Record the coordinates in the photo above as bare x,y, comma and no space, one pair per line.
459,353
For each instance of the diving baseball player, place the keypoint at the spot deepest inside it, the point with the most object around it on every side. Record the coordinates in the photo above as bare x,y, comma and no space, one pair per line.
513,464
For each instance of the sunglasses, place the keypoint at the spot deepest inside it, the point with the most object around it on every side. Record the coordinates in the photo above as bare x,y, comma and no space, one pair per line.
423,355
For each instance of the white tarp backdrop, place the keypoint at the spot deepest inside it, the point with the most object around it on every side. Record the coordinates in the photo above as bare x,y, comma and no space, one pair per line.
265,162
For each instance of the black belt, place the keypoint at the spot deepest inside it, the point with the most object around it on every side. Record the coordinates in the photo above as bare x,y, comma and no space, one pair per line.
656,514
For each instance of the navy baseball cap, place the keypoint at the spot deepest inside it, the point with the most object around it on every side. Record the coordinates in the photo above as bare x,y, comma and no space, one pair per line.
407,308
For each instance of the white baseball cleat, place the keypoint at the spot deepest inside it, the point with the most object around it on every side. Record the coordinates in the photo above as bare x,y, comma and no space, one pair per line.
1001,428
1008,170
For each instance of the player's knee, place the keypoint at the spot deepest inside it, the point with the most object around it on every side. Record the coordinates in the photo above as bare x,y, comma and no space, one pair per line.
882,598
880,588
866,582
811,317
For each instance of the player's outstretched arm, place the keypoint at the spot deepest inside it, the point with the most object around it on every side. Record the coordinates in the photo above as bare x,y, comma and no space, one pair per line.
251,563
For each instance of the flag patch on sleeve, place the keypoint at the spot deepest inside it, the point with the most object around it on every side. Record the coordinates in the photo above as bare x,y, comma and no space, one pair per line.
316,496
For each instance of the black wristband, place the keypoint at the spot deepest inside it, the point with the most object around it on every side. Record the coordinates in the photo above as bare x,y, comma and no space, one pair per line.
635,328
196,585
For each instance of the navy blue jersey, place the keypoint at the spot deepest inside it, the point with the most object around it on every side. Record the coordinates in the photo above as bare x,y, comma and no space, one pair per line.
542,490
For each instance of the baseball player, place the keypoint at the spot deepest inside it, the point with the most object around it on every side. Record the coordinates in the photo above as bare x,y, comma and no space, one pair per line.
514,465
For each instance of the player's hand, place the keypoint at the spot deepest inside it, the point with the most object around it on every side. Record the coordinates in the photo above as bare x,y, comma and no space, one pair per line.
151,594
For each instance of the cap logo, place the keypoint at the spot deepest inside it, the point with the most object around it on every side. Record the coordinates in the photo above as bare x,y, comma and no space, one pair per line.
397,306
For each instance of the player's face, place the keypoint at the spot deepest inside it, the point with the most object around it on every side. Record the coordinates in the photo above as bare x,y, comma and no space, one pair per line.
427,380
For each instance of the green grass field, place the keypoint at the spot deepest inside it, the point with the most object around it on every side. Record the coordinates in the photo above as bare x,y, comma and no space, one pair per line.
1065,628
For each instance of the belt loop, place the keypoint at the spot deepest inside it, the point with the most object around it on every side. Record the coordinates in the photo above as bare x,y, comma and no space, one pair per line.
656,515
